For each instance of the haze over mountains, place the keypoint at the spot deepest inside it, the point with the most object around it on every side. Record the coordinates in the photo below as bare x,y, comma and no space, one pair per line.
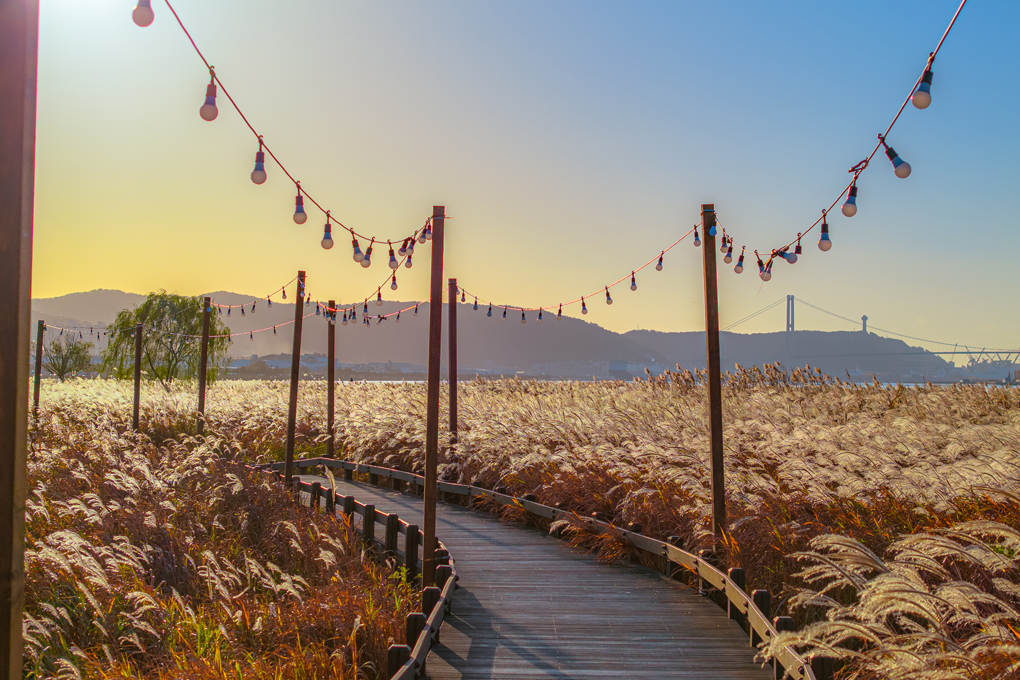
509,346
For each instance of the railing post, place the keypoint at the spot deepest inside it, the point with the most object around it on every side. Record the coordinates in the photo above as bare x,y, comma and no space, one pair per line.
330,378
392,531
714,371
414,624
203,366
762,600
822,667
348,475
348,506
432,404
736,576
373,479
411,552
331,502
316,491
138,376
452,317
368,525
19,21
295,376
39,337
396,657
782,623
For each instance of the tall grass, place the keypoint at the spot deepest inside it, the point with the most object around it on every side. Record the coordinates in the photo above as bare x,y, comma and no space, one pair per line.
813,465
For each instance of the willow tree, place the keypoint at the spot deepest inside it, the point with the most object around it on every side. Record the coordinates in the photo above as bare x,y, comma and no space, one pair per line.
171,339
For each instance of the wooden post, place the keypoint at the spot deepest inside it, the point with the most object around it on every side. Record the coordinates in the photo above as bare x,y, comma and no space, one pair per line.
330,379
714,370
368,525
396,657
411,552
203,364
763,600
295,376
392,531
453,360
19,21
737,578
138,376
428,565
782,624
39,337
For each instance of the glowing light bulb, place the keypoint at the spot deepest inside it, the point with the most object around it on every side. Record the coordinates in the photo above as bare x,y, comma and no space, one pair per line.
209,110
559,312
729,254
476,305
258,175
524,319
697,239
143,14
609,300
358,255
824,242
393,283
739,268
489,313
658,267
850,207
921,98
327,237
584,307
367,261
633,282
540,316
393,259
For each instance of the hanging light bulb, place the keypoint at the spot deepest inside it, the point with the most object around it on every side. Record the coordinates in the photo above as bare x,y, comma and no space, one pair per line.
722,247
228,311
403,248
143,14
428,231
253,306
284,291
540,316
504,312
393,283
258,175
316,309
393,258
408,263
658,267
559,312
327,237
251,335
739,268
344,320
476,305
378,300
332,318
242,310
761,265
795,255
850,207
358,255
633,282
365,310
489,313
274,330
416,310
766,275
524,319
824,242
354,313
729,254
609,300
921,98
209,110
421,236
367,261
900,167
397,320
697,239
463,297
584,307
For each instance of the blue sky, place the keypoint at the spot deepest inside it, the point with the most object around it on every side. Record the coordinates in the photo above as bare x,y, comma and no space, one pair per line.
570,141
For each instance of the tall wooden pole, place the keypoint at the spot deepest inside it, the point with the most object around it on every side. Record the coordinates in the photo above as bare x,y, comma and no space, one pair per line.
714,370
19,22
453,358
428,564
40,335
295,376
138,376
330,378
203,363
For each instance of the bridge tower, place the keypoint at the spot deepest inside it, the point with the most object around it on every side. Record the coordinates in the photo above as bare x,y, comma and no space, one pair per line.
864,322
789,313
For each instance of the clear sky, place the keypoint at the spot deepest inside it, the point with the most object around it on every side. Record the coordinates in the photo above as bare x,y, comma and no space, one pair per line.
571,141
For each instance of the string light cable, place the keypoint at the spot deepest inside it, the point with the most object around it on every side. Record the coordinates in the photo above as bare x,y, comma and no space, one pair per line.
143,16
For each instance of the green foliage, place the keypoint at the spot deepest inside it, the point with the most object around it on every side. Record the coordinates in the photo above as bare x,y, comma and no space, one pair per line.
170,350
67,355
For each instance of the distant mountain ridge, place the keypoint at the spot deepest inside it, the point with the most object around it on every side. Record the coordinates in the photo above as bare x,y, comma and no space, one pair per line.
508,346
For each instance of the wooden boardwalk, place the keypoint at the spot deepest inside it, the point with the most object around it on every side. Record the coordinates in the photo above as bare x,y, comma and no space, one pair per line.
531,607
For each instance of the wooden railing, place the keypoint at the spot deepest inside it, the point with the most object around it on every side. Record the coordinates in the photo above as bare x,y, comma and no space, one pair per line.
407,661
752,611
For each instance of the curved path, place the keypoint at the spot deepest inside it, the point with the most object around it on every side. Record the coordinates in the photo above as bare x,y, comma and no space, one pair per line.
531,607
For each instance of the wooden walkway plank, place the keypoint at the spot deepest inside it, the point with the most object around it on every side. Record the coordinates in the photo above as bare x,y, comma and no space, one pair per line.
530,607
